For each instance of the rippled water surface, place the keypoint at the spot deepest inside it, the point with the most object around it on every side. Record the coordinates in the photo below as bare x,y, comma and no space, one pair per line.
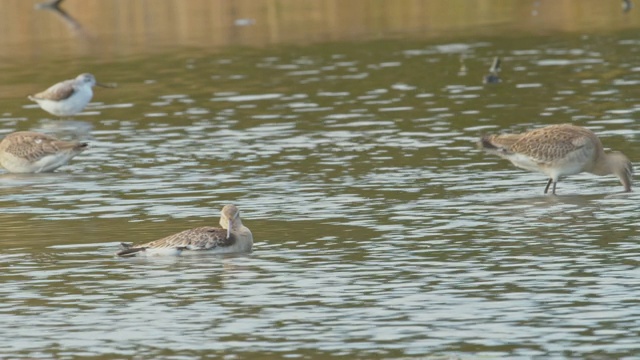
381,231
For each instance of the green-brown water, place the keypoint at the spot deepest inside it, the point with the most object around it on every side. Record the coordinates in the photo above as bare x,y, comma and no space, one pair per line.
381,231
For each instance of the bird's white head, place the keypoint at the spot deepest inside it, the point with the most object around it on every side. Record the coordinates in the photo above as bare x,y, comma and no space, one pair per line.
86,79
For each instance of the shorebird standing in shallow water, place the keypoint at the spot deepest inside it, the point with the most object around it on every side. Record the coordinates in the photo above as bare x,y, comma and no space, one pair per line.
32,152
233,237
560,150
493,77
68,97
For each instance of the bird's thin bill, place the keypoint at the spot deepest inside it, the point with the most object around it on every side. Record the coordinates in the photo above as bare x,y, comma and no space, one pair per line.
229,229
107,85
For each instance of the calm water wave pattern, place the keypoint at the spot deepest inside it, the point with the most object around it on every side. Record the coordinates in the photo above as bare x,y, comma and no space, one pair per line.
381,231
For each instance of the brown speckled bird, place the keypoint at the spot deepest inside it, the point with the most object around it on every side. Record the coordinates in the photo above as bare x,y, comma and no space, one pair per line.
32,152
560,150
233,237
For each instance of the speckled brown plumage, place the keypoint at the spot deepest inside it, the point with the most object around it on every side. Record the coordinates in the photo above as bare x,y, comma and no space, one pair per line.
27,151
559,150
232,237
33,146
202,238
551,143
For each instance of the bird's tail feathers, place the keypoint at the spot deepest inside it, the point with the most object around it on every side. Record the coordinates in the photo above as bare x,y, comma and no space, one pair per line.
499,143
127,250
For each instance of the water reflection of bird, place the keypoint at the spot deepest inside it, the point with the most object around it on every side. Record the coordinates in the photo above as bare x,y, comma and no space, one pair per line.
560,150
67,97
68,19
50,4
463,68
233,237
32,152
493,77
